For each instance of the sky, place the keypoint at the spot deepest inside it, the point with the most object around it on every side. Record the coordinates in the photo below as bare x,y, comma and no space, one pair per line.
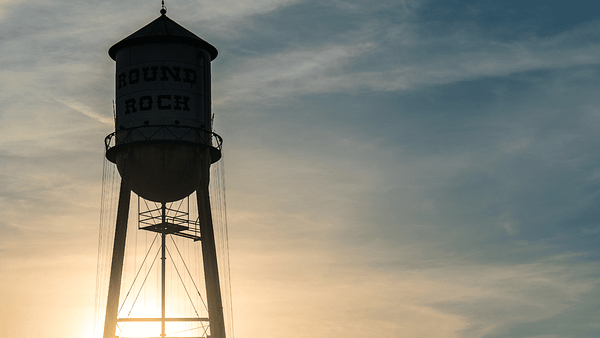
394,168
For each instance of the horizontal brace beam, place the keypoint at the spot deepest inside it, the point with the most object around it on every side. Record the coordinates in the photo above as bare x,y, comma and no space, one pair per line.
160,320
186,235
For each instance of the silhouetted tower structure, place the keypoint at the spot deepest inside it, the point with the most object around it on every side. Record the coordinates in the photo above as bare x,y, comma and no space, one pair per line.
163,146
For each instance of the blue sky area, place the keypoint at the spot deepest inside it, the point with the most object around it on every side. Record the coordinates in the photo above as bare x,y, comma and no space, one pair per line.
394,168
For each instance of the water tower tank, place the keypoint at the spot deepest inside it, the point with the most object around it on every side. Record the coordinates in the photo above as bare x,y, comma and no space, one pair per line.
163,126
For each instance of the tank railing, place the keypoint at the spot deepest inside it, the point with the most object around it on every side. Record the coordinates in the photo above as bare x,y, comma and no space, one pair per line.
184,227
154,216
174,132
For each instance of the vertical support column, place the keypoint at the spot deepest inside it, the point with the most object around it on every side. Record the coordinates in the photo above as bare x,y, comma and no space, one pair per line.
209,253
116,269
163,236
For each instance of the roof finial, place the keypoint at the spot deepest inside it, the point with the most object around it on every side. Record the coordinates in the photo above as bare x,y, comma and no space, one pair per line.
163,10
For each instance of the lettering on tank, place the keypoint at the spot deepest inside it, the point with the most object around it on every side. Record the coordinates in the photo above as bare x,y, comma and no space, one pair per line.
164,88
157,73
160,102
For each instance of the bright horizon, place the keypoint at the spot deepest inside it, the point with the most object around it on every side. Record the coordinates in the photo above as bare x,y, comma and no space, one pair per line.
394,168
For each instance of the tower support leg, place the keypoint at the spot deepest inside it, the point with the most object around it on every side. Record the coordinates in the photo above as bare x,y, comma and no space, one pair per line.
116,269
163,283
209,255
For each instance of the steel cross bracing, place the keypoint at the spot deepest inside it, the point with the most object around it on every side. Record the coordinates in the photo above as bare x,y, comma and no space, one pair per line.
168,221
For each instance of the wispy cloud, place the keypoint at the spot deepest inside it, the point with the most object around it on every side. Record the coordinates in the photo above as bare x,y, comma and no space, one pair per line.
86,110
464,56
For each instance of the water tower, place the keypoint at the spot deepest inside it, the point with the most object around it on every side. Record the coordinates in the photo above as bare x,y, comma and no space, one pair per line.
163,147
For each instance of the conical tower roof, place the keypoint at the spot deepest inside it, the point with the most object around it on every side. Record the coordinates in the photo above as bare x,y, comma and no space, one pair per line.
163,30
